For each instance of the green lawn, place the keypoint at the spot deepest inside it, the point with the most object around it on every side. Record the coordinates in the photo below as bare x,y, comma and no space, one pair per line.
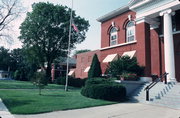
28,101
11,84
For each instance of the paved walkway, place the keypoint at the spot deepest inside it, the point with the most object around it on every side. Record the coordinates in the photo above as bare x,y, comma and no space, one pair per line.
123,110
4,113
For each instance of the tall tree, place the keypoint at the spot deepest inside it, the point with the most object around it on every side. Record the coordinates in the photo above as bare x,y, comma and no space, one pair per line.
46,29
95,69
9,11
5,59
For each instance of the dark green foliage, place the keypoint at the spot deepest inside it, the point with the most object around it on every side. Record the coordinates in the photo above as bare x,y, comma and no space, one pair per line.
95,69
75,82
5,59
125,64
104,89
25,65
93,81
46,30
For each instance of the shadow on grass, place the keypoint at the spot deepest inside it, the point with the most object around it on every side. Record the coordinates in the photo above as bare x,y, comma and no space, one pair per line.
12,103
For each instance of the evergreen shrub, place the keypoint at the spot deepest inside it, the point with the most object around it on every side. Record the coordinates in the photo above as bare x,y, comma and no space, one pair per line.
104,89
95,69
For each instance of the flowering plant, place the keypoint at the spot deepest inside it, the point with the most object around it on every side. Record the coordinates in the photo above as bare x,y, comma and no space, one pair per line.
129,76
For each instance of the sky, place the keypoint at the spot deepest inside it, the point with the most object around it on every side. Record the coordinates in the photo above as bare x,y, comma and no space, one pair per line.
88,9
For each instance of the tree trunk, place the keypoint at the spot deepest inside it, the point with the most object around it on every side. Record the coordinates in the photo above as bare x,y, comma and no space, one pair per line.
48,72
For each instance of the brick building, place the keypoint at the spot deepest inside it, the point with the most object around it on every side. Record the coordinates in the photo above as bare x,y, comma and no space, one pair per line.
147,29
83,63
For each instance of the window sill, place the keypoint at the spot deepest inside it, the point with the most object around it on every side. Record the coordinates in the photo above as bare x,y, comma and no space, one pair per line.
119,45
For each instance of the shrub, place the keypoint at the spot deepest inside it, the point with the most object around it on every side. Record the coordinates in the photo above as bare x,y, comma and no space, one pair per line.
92,81
104,89
95,69
125,64
129,76
75,82
39,80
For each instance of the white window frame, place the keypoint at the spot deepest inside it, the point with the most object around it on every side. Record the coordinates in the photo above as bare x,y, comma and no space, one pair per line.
113,34
132,34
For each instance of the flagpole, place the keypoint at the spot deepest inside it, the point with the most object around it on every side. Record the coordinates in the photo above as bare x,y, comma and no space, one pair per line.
69,42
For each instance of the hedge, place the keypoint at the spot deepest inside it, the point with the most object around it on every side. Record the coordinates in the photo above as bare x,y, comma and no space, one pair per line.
104,89
75,82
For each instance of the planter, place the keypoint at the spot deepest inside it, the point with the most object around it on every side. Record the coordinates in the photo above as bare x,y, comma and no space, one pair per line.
145,79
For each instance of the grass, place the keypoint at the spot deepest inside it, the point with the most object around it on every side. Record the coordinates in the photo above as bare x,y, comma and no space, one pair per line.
12,84
28,101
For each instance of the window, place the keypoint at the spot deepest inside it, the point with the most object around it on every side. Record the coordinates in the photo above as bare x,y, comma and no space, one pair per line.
130,31
113,36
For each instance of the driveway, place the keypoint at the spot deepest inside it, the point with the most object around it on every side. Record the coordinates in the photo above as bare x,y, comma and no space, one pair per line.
122,110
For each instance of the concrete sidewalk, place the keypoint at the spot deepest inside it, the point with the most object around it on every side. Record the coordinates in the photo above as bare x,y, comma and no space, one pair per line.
4,113
122,110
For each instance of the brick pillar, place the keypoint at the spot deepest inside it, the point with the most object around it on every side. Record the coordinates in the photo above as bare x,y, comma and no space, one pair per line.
143,46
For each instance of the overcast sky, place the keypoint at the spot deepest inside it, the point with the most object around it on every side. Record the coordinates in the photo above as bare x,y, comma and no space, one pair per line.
89,9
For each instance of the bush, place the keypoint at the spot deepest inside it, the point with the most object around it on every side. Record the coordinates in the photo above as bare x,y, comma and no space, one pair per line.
125,64
104,89
129,76
92,81
75,82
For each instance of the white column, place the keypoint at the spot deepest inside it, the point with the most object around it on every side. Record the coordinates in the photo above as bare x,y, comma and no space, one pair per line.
168,45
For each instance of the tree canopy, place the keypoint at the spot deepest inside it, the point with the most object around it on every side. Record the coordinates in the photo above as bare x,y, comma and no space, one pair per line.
46,30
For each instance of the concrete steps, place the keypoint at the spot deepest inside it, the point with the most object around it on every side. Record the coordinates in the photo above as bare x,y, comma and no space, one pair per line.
167,95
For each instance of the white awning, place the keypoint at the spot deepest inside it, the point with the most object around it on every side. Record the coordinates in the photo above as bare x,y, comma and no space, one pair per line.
131,54
87,69
110,58
71,73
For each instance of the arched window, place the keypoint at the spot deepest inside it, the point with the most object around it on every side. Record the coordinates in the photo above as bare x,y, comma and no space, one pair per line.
130,31
113,36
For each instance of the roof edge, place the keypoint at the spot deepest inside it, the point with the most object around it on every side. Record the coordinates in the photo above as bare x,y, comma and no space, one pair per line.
113,13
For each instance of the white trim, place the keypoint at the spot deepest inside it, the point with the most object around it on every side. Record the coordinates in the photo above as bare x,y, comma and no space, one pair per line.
167,11
122,44
156,10
153,21
176,32
140,4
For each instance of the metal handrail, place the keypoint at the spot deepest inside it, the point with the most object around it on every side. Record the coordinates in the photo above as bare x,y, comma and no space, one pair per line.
158,79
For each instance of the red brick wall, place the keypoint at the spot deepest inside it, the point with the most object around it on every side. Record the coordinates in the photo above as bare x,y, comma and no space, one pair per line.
143,46
120,22
142,36
156,65
119,50
83,61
